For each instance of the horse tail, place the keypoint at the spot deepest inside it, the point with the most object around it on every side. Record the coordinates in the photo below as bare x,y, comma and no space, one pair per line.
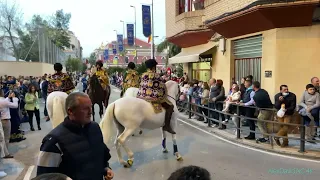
106,123
57,111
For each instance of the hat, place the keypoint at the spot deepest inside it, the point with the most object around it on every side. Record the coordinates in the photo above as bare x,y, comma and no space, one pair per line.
99,63
131,65
151,63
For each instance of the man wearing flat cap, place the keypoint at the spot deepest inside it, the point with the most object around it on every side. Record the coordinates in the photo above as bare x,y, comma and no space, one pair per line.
131,78
153,90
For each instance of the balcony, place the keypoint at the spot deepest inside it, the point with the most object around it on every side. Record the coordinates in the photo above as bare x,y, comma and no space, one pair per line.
263,15
185,22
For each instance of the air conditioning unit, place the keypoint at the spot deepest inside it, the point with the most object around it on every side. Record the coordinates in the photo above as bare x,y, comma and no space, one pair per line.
222,45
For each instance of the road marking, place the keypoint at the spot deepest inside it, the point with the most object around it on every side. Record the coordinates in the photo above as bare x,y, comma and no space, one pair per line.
247,147
29,172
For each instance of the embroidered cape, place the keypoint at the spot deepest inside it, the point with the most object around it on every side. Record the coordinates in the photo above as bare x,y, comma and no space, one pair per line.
60,82
153,90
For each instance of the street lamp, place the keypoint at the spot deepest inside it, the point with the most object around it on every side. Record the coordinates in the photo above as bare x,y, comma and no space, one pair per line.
153,47
124,48
135,32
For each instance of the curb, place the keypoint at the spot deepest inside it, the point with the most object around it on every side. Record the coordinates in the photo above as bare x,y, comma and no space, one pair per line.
260,146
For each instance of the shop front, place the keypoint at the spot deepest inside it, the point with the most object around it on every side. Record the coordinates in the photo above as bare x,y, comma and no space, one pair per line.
196,60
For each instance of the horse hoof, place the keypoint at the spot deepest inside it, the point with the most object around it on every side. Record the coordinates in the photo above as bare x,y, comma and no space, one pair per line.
140,132
179,158
129,162
165,150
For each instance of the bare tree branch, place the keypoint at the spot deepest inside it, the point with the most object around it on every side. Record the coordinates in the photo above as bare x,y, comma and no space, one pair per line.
10,22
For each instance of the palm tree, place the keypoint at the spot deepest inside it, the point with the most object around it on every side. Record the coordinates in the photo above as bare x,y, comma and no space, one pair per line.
173,49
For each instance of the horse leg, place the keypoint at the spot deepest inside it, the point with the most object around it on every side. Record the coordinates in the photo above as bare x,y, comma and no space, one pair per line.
175,148
164,143
121,139
92,107
118,145
100,109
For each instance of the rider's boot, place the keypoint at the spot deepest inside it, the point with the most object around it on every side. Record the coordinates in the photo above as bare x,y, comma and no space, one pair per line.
167,126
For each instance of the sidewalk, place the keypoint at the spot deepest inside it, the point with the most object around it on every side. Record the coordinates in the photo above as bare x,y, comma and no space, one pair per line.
312,150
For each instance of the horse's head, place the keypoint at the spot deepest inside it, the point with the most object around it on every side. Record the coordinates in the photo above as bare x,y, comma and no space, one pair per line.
173,89
94,81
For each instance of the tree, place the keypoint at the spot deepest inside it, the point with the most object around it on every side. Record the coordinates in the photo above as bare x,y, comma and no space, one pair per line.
141,68
84,67
173,49
60,24
74,64
92,59
10,23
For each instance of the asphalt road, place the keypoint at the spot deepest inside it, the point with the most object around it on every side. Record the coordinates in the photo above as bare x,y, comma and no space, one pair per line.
223,160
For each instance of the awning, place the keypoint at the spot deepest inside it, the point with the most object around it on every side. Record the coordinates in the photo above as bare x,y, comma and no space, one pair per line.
192,54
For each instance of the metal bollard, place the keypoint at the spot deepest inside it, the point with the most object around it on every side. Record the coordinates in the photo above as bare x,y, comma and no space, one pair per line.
189,108
238,122
302,136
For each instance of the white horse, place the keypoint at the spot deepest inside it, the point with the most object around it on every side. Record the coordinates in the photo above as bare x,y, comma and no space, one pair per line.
56,107
132,92
131,113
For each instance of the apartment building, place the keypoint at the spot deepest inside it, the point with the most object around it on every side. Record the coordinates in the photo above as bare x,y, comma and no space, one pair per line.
276,41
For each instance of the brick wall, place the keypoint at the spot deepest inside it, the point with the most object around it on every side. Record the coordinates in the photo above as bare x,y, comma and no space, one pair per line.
186,21
215,8
192,20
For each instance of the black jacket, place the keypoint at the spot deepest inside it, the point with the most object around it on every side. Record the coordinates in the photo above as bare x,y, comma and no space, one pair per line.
290,101
262,99
78,152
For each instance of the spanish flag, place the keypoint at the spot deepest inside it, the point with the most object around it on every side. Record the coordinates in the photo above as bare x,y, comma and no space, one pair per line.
150,38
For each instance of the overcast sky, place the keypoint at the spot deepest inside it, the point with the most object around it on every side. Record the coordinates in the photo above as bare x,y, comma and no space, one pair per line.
93,21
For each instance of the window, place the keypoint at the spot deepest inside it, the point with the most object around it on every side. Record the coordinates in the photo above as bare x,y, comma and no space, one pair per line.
189,5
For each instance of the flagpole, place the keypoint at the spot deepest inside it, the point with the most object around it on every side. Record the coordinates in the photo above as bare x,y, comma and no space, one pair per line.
152,32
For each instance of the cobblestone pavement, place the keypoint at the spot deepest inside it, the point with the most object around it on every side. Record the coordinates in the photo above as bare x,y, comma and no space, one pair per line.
223,160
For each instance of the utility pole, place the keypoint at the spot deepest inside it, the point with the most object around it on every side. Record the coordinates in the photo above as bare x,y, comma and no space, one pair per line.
135,34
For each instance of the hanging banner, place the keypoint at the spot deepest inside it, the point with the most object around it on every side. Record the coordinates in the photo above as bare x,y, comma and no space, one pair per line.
130,34
146,20
106,54
120,42
114,48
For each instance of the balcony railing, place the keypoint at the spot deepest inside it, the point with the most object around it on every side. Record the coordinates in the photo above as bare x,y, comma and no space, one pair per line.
190,5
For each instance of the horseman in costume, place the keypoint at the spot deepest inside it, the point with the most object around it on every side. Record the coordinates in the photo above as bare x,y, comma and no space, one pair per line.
131,78
103,78
60,81
153,90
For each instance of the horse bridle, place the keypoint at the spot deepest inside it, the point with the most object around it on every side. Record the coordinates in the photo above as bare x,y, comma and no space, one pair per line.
177,96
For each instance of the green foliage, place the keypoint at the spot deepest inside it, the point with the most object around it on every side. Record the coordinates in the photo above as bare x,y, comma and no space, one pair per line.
141,68
173,49
92,58
56,27
179,70
112,70
84,67
74,64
